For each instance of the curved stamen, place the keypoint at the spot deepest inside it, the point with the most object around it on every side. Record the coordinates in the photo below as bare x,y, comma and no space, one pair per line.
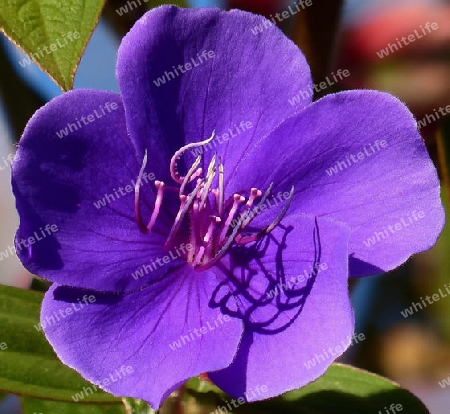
137,200
158,202
190,174
186,202
283,212
214,221
173,162
249,217
209,179
137,197
254,193
237,201
194,230
222,251
197,174
221,189
211,164
248,239
205,190
159,197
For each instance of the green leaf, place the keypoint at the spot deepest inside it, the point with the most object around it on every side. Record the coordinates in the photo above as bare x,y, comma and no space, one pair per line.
53,33
135,406
342,390
28,365
155,3
345,389
37,406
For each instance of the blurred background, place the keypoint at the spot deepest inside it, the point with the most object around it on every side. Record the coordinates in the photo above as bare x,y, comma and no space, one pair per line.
363,37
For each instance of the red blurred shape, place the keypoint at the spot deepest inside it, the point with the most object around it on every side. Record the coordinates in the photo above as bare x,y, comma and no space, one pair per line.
264,7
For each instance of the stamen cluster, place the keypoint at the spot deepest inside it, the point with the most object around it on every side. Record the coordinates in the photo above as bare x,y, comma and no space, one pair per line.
212,219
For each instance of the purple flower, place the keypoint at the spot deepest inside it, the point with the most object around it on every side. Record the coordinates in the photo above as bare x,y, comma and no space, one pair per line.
202,223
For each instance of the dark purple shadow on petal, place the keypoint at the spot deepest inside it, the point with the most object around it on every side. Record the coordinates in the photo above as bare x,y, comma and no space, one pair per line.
71,155
157,287
240,364
174,132
45,251
361,268
73,295
172,53
286,306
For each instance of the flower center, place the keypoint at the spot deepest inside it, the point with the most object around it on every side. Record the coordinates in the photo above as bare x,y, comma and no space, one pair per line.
215,223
